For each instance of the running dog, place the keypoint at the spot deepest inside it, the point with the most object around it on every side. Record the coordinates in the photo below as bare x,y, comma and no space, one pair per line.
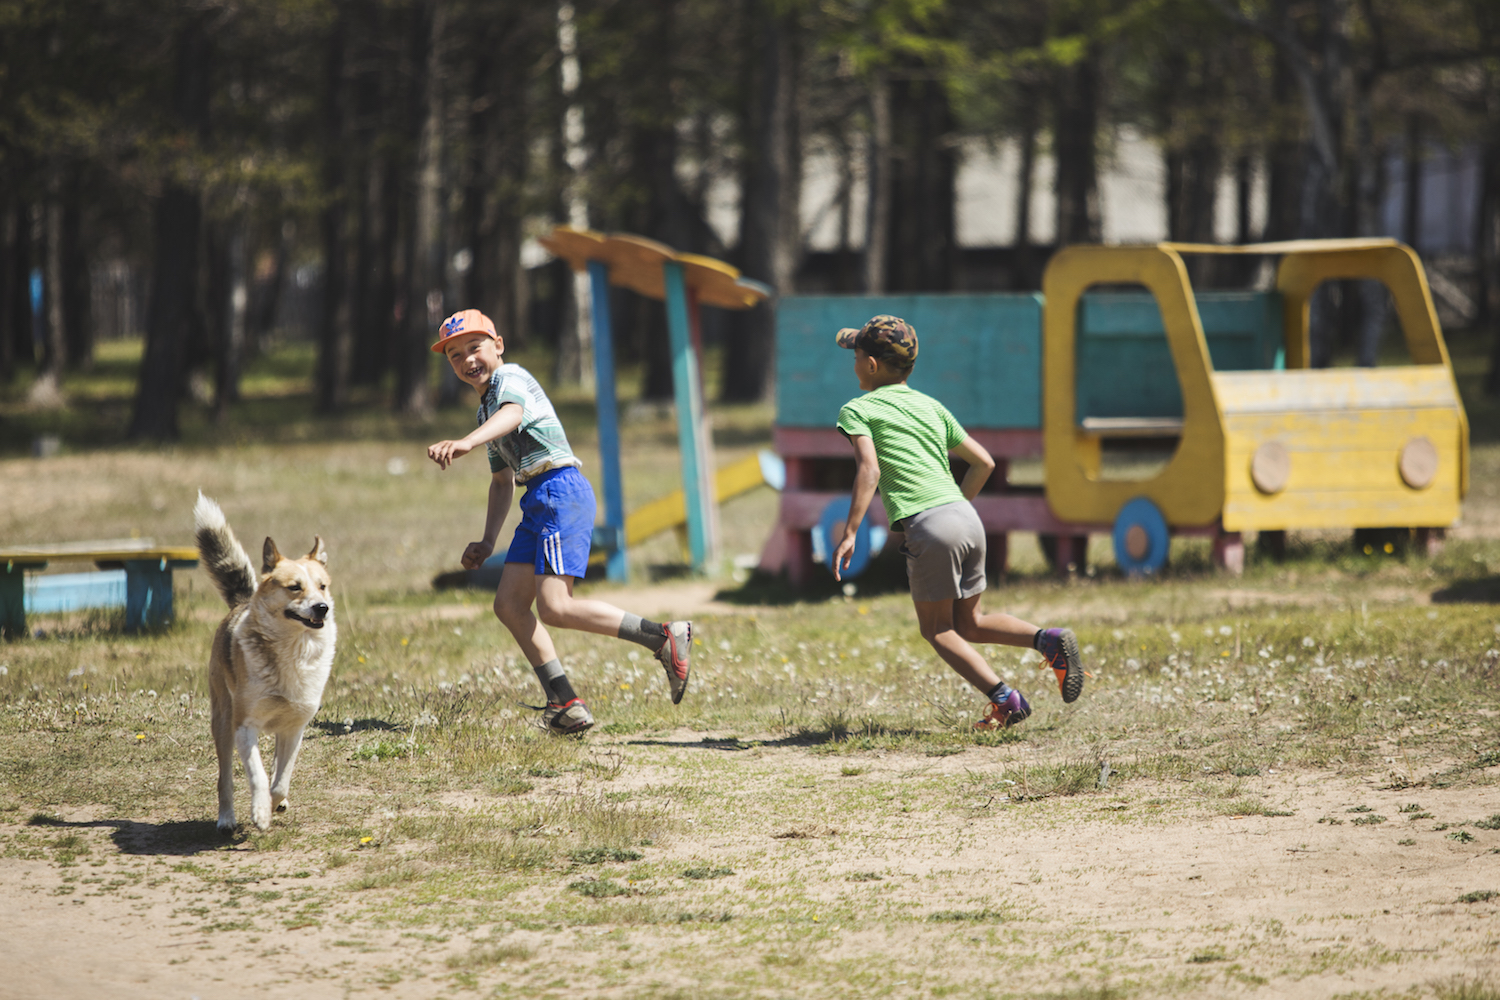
270,659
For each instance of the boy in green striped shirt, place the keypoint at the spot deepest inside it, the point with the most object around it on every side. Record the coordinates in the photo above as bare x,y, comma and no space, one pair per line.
901,440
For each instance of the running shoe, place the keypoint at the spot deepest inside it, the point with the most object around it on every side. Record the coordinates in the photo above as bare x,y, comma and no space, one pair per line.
673,655
571,719
1060,648
1014,709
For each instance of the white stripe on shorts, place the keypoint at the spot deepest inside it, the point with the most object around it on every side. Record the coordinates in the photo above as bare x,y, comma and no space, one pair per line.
552,550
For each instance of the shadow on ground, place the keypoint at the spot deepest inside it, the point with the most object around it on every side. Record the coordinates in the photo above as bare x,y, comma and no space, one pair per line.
180,838
1481,590
329,727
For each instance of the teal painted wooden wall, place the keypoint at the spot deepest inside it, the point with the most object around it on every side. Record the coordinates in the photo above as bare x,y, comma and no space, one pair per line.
981,354
1124,365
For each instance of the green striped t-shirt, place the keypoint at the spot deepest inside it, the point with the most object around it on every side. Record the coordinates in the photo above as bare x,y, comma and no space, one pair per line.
912,433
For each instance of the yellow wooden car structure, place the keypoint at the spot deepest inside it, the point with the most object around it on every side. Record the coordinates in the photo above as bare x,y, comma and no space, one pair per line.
1265,450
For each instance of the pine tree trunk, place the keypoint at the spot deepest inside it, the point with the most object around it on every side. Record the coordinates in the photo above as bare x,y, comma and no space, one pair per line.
76,286
770,236
425,295
336,331
178,222
1075,139
878,211
1026,273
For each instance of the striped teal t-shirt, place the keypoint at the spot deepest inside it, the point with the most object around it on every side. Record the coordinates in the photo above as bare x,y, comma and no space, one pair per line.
912,433
539,444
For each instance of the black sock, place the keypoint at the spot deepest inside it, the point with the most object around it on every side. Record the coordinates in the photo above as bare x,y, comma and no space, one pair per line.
1036,640
999,693
639,630
554,682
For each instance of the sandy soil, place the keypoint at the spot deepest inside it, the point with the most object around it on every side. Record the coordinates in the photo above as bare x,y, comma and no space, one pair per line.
1312,907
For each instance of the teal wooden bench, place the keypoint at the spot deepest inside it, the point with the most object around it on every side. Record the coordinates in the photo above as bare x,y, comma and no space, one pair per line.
148,580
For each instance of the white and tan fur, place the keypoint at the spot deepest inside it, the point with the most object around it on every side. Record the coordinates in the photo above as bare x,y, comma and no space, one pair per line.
270,659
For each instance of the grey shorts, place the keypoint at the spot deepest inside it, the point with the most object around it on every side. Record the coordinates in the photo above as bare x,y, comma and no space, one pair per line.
944,552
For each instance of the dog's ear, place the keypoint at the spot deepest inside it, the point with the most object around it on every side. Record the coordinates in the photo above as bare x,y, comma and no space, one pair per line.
269,556
319,550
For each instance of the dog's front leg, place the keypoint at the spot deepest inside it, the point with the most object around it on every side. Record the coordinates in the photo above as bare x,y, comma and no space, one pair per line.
287,745
247,738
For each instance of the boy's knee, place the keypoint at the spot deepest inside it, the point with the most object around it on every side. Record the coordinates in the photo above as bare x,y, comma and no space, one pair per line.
552,612
508,611
968,630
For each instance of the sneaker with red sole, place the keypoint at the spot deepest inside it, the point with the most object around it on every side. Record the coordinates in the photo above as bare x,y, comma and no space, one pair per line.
570,719
1013,710
673,656
1060,648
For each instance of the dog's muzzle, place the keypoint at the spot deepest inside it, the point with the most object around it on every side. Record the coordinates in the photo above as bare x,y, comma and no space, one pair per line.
319,613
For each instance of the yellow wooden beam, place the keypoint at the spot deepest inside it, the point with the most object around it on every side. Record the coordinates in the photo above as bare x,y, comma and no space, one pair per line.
670,511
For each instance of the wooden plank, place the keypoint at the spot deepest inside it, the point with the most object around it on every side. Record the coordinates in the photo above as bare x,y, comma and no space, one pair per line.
1435,507
1405,387
1133,426
1356,430
828,442
93,552
1284,246
802,511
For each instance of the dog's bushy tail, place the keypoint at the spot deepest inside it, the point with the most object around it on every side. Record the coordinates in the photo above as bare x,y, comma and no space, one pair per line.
223,556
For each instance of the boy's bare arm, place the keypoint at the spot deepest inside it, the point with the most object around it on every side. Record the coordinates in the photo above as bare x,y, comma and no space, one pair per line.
980,466
866,478
505,420
502,490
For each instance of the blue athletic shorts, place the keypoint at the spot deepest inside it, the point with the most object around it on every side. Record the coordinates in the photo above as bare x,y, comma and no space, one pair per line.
557,524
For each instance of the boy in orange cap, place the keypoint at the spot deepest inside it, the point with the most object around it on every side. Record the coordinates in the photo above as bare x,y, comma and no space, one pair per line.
901,440
550,549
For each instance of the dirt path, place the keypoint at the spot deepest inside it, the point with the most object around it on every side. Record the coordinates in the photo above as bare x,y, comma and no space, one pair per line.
1138,887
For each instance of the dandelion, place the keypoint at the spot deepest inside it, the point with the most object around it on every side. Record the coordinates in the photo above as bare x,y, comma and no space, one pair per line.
1307,642
405,640
361,659
366,840
140,736
1225,630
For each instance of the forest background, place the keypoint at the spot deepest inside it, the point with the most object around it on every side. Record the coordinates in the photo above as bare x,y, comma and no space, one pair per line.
406,153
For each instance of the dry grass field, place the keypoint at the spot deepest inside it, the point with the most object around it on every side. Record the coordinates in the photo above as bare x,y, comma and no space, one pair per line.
1280,785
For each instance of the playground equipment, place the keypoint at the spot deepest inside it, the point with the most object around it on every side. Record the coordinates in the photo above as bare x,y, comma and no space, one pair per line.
1218,379
136,575
684,282
669,512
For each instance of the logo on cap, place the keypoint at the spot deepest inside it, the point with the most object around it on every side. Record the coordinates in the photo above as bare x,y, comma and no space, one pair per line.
468,321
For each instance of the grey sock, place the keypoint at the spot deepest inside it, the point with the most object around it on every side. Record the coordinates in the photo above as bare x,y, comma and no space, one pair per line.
639,630
554,682
999,693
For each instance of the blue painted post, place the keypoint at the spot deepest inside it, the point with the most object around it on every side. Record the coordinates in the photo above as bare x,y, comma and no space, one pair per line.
609,420
697,481
148,594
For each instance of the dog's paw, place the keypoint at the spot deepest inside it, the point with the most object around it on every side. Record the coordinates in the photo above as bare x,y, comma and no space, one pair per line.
281,806
227,824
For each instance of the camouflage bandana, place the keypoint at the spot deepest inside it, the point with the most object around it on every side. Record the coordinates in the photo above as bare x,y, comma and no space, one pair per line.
888,338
